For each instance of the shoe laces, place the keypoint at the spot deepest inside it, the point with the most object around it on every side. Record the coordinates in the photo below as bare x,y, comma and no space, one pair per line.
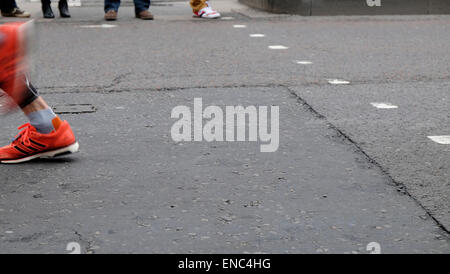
24,135
208,8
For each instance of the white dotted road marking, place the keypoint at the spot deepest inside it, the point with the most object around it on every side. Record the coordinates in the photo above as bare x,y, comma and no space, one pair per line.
443,140
257,35
338,82
227,18
104,26
239,26
384,105
74,3
278,47
303,62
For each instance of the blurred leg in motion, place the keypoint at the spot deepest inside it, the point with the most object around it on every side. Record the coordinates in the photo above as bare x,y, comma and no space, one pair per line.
46,135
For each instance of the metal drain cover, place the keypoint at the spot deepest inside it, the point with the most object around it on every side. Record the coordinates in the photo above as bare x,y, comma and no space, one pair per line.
74,109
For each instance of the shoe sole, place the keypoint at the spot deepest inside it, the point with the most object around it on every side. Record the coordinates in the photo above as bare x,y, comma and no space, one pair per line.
17,15
147,18
196,16
49,154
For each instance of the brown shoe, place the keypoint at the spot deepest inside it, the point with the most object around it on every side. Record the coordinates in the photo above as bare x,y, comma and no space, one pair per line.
145,15
111,15
16,12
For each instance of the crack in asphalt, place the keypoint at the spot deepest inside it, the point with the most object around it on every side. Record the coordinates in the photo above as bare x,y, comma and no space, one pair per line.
104,89
117,80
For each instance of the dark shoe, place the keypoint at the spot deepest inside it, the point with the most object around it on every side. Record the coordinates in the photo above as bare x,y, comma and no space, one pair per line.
144,15
63,9
111,15
47,10
16,12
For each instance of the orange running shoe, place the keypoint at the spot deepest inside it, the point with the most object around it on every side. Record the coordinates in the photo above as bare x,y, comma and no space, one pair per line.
30,144
14,46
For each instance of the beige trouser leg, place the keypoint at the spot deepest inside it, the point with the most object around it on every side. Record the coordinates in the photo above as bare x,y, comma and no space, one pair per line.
197,5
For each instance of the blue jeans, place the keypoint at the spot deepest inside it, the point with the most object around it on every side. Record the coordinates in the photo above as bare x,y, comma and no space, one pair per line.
139,5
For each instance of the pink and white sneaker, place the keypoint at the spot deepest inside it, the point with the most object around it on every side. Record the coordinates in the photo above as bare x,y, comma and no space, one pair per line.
207,13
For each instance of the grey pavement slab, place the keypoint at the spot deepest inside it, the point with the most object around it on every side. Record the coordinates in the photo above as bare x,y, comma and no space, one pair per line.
396,138
132,189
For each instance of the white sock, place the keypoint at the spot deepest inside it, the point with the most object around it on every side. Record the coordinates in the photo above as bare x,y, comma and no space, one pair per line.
42,120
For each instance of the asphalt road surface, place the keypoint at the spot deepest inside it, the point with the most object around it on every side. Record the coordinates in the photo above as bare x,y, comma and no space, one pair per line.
346,173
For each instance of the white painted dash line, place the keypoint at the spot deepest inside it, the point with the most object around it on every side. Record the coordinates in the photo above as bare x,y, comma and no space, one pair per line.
74,3
227,18
338,82
384,105
239,26
303,62
104,26
443,139
278,47
257,35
